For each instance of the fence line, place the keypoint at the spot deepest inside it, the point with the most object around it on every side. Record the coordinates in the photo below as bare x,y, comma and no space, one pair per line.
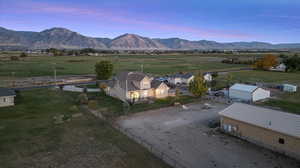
176,163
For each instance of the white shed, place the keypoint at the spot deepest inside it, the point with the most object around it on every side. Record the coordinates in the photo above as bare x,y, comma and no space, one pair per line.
7,97
289,88
207,77
248,93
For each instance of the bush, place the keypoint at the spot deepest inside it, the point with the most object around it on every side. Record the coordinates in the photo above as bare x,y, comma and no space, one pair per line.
23,55
92,104
14,58
82,98
74,108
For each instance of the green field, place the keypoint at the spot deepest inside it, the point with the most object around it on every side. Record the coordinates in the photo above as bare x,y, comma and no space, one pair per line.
263,76
30,137
76,65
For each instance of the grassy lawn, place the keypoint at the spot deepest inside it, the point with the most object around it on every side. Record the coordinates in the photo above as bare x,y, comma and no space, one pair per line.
76,65
289,102
29,136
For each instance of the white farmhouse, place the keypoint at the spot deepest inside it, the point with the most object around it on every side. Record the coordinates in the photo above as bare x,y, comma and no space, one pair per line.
7,97
248,93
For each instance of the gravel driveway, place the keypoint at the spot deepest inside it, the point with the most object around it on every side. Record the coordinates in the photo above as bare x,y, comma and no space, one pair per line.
184,136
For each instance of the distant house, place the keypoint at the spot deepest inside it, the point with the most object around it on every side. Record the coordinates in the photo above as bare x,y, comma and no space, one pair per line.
276,130
281,67
248,93
136,86
207,77
7,97
289,88
180,78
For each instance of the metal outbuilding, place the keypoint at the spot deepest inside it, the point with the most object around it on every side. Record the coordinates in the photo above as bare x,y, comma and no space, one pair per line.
289,88
273,129
248,93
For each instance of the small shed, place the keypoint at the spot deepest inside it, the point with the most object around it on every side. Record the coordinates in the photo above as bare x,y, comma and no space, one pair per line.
207,77
7,97
281,67
248,93
289,88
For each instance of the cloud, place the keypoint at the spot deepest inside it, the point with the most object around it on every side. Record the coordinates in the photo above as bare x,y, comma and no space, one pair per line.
122,17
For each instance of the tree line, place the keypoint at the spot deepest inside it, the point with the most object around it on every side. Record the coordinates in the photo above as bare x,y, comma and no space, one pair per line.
292,63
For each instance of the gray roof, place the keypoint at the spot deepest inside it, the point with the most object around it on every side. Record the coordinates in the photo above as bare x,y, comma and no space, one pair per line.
131,78
243,87
155,84
7,92
285,123
181,75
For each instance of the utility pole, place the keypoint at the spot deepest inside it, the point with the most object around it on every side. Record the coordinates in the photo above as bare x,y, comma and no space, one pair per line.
13,78
142,67
55,73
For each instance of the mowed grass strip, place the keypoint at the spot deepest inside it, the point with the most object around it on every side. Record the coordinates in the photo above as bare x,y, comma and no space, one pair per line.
29,136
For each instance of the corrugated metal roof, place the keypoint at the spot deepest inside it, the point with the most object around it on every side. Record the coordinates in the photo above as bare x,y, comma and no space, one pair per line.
243,87
275,120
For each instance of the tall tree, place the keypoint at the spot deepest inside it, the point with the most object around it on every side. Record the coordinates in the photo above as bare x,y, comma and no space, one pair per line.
104,70
292,63
23,55
198,87
267,62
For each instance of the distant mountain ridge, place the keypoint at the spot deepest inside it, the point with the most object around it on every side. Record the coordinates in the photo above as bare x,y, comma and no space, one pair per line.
62,38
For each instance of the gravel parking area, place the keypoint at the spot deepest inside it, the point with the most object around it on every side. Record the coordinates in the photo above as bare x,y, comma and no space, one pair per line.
184,136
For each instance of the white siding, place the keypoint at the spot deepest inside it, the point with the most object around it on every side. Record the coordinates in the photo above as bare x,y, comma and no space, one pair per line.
238,94
188,81
175,80
260,94
208,77
7,101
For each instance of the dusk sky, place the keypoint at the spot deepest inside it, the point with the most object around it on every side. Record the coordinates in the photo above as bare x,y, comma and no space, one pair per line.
276,21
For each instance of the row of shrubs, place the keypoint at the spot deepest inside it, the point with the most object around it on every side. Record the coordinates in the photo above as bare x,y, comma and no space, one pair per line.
233,61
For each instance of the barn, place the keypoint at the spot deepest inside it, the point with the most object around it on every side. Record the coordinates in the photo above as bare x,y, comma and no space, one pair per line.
248,93
273,129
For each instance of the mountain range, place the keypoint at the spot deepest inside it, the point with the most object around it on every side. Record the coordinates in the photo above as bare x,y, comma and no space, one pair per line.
62,38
